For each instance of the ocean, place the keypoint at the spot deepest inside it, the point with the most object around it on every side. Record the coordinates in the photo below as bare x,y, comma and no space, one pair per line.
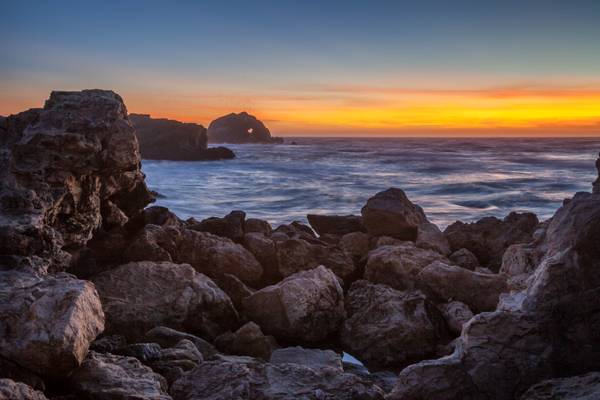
452,179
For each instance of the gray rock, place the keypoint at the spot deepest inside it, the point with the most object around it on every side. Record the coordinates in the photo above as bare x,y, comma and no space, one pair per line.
456,314
249,340
313,358
465,259
430,237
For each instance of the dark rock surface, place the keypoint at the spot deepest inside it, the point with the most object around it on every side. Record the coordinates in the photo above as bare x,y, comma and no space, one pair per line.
165,139
489,237
335,224
249,340
11,390
239,128
582,387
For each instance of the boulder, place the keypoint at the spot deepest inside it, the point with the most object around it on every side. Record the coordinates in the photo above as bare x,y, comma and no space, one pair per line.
356,244
398,266
456,314
596,183
580,387
313,358
207,253
11,390
549,328
141,295
230,226
165,139
391,213
234,288
464,259
249,340
295,230
13,371
167,337
306,306
250,379
239,128
335,224
294,255
444,282
264,250
67,170
47,323
257,225
430,237
389,328
108,377
489,237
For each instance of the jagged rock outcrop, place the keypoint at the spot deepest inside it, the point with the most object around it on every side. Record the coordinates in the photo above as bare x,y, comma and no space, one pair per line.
165,139
239,128
142,295
67,170
390,328
335,224
391,213
550,327
250,379
47,323
207,253
489,237
306,306
109,377
11,390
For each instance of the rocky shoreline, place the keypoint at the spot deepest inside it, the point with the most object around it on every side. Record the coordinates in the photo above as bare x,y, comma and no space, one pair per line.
103,297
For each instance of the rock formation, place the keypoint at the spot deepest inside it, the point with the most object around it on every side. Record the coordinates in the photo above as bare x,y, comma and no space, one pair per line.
239,128
596,184
165,139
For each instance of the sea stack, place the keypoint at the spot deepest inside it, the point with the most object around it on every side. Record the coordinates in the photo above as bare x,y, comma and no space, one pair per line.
166,139
240,128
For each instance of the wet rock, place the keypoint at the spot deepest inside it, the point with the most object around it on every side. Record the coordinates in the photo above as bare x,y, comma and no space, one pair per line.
67,169
389,328
258,226
167,337
335,224
249,340
430,237
398,266
139,296
294,255
456,314
391,213
165,139
239,128
312,358
230,226
464,259
207,253
108,377
47,323
577,387
219,380
480,292
307,306
11,390
489,237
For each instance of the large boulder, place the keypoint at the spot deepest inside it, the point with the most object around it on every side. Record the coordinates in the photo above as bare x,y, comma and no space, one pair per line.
207,253
239,128
250,379
398,266
110,377
11,390
444,282
335,224
390,328
230,226
489,237
47,323
67,170
139,296
165,139
306,306
581,387
548,328
391,213
294,255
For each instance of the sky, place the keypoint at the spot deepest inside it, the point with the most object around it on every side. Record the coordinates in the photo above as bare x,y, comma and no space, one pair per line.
364,68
